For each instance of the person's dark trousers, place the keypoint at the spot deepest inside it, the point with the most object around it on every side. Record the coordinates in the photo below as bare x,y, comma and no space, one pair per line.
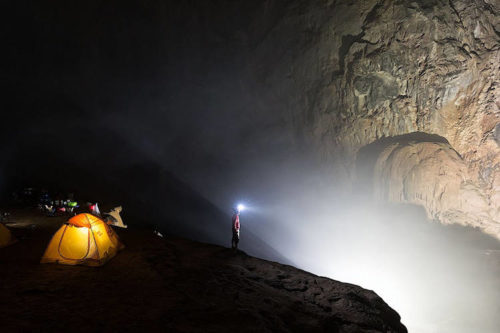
235,240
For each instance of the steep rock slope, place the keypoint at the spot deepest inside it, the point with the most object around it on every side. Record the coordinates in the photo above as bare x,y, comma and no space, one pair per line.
349,73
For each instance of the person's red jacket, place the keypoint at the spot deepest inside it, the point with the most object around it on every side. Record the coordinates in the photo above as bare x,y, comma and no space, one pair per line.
236,222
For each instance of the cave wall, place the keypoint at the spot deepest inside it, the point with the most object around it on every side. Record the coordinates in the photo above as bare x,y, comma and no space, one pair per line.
433,175
347,73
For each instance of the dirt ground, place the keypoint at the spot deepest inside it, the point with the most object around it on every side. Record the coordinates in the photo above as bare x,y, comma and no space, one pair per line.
172,285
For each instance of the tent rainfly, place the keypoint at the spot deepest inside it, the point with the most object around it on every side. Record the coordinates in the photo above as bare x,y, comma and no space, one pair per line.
84,240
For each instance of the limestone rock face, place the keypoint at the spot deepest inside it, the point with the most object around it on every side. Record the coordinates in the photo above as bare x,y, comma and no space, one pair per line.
349,73
433,174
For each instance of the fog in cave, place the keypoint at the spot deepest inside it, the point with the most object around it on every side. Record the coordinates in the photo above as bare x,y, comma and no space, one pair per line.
440,278
179,111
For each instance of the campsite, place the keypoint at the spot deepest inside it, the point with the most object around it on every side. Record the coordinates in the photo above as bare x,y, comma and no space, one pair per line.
53,297
250,166
166,284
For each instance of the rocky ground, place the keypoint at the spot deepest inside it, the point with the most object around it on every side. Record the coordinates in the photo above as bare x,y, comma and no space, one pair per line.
171,284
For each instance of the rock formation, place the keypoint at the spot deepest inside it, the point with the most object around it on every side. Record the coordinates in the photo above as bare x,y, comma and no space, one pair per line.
433,175
349,73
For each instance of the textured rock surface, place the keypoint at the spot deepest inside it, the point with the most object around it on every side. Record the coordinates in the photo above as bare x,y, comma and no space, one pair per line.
433,175
351,72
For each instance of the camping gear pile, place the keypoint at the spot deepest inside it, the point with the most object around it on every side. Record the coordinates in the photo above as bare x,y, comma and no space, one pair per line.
58,207
50,205
113,217
85,239
94,208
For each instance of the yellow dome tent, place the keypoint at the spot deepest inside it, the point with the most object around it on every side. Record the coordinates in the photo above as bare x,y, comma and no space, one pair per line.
6,237
84,240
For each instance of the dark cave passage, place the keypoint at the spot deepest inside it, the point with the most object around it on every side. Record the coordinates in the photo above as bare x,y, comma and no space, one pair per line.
367,156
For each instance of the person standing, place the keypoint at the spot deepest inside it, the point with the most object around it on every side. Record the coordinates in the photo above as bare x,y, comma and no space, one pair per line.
235,228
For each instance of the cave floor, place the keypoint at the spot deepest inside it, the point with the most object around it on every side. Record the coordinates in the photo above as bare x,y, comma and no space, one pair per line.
166,284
